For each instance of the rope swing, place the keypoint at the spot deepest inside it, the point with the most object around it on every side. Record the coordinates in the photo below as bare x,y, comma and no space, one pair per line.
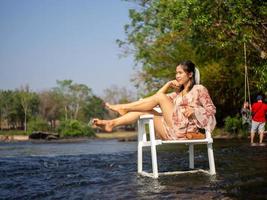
247,91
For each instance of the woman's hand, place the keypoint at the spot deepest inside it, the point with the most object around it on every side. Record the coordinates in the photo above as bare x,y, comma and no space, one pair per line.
173,84
189,112
166,86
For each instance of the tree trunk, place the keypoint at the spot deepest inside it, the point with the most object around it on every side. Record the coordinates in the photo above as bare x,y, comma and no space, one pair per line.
66,113
76,111
25,120
53,124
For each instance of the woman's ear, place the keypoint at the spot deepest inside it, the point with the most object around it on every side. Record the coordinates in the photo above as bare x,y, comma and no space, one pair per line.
190,74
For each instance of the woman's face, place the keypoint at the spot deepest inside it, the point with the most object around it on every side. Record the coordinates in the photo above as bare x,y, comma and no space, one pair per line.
182,77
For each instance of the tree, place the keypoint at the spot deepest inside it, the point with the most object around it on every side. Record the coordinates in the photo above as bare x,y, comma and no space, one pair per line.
80,93
63,91
26,97
73,97
50,106
211,33
94,108
226,25
115,95
10,108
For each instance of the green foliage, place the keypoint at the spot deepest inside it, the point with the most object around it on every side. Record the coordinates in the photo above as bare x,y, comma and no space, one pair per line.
28,100
12,110
13,132
94,108
262,75
50,107
67,101
74,128
233,124
73,97
227,92
8,109
211,34
37,124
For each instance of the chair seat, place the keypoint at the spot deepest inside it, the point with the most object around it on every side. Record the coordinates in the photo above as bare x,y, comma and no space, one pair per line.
148,116
200,141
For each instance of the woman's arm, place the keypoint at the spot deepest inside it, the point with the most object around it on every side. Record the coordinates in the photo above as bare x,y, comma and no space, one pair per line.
204,114
170,84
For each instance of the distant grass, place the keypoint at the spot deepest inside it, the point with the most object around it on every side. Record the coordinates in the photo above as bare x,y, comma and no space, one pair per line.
13,132
117,135
220,132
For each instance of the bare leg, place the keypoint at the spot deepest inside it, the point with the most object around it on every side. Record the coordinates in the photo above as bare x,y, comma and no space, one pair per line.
146,105
116,108
108,125
252,135
160,131
261,137
130,118
120,108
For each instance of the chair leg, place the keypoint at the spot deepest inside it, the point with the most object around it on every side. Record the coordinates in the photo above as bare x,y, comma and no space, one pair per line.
140,147
153,150
191,156
211,159
139,158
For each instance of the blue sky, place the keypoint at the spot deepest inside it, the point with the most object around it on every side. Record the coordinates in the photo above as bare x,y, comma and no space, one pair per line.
42,41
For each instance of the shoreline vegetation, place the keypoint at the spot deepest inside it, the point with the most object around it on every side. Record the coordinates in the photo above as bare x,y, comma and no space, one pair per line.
16,136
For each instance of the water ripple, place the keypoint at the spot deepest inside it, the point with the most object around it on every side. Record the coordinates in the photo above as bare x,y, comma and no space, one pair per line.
241,174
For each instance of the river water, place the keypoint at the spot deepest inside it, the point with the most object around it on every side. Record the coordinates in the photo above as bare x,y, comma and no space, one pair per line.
106,169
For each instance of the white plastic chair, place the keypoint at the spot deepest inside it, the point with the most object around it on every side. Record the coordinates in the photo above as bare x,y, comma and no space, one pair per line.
142,142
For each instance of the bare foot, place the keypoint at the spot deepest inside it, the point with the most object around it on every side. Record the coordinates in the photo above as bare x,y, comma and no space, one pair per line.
116,108
105,125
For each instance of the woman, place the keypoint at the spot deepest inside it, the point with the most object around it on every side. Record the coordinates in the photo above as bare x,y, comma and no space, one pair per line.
185,110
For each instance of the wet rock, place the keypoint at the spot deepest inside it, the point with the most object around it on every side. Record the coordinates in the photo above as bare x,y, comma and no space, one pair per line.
44,135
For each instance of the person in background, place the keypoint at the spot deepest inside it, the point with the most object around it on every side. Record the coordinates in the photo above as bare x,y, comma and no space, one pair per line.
246,116
258,110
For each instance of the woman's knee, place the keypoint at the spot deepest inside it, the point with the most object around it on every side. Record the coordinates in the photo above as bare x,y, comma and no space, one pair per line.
161,96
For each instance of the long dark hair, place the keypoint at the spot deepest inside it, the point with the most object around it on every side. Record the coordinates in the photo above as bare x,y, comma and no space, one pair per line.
189,67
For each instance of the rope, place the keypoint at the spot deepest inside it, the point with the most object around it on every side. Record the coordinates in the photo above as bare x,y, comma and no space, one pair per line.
247,90
245,56
249,101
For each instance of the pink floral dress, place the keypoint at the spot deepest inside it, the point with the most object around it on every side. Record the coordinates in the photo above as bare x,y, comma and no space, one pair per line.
204,110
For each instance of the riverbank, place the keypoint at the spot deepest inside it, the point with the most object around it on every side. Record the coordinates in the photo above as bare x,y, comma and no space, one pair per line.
119,135
9,138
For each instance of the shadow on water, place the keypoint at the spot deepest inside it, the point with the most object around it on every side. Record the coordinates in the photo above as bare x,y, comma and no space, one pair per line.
107,170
